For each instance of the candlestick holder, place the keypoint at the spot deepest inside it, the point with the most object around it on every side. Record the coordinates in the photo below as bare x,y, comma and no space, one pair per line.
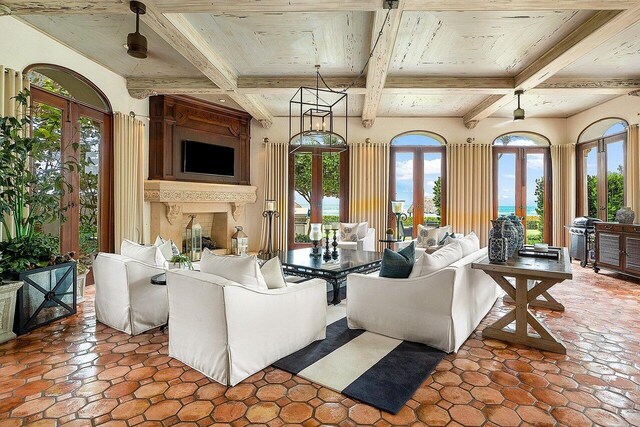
334,252
268,252
327,253
399,228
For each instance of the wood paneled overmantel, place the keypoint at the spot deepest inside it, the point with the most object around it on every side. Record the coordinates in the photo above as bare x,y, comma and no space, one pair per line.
174,119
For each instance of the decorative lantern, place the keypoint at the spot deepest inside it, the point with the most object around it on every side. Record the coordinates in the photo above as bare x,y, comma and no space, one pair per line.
193,240
315,234
397,206
239,242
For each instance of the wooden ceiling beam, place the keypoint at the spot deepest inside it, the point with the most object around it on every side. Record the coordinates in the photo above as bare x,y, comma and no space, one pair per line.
27,7
176,30
379,62
142,87
592,33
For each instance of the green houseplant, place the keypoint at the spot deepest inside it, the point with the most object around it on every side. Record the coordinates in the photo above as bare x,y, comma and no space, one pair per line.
182,261
32,183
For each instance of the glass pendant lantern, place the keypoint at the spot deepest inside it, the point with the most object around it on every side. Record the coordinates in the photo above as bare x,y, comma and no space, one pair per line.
193,240
239,242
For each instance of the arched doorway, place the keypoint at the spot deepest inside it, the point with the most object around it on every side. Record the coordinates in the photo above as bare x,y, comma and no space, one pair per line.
418,177
522,181
601,159
75,119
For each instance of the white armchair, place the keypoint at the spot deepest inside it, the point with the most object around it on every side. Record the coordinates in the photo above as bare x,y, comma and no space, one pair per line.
368,243
125,298
441,309
229,332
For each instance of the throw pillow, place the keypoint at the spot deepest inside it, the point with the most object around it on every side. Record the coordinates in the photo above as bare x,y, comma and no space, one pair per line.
438,260
244,270
362,229
165,249
427,236
398,265
272,273
469,243
448,238
443,231
147,254
349,232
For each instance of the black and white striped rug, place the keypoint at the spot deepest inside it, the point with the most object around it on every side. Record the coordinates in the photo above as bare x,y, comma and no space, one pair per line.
380,371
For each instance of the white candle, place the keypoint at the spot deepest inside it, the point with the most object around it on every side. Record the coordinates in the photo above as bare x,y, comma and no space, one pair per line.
271,205
315,232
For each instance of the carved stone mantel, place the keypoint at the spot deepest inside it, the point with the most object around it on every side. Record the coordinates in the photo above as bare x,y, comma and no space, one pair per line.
171,200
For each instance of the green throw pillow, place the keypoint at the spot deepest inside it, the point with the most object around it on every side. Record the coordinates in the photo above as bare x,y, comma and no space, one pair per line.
398,265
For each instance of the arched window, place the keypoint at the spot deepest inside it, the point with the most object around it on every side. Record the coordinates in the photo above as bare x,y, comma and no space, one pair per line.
418,177
522,181
74,117
601,159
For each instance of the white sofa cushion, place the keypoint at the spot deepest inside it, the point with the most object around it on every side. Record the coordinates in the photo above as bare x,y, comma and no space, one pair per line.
272,273
469,243
353,231
150,255
240,269
168,247
429,263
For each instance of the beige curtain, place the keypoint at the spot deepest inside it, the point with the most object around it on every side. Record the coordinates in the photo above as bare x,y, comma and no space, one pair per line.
633,170
563,175
12,83
369,185
276,188
128,152
470,189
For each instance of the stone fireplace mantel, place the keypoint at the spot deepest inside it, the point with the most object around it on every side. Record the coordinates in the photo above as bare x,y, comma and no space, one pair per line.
171,201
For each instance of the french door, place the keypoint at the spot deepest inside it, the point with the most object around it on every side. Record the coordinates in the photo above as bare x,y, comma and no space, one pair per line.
77,133
318,191
601,176
418,177
522,186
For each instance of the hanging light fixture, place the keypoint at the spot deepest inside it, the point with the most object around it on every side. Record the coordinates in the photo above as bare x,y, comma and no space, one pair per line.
518,113
136,42
312,117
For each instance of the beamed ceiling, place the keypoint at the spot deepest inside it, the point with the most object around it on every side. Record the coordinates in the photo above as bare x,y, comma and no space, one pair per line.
439,59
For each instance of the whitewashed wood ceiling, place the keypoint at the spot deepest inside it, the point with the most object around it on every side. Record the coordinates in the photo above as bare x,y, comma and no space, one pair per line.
437,63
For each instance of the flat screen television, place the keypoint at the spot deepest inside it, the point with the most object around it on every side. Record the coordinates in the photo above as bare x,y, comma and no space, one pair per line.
208,159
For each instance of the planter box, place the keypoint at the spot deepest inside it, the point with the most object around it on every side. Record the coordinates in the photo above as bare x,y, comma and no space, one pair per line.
48,294
8,292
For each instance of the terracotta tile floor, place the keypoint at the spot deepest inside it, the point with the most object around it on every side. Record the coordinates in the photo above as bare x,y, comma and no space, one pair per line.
76,372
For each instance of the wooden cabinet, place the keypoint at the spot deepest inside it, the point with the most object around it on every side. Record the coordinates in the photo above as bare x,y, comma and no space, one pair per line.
618,248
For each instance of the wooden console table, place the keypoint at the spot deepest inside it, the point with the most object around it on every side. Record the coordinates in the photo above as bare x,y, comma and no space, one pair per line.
533,278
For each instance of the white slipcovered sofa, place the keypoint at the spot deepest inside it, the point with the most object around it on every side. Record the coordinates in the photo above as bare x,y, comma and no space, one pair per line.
125,298
440,309
228,331
368,243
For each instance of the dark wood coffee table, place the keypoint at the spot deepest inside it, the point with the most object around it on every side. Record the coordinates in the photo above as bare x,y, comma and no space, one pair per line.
298,262
533,278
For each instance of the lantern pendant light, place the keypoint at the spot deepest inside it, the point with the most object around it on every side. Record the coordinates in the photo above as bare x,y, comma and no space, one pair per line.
518,113
136,42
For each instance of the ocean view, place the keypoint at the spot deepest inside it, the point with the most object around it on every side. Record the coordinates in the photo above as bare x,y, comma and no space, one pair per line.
506,210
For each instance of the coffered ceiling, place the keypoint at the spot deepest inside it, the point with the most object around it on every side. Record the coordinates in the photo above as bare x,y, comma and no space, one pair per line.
442,59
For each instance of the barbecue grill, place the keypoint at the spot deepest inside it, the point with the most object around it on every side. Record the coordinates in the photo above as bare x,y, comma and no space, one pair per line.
582,233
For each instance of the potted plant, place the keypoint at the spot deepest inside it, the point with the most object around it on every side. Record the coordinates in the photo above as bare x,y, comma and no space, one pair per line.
389,233
33,181
181,261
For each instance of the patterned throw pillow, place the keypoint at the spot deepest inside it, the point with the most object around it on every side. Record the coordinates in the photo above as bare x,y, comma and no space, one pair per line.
349,232
427,237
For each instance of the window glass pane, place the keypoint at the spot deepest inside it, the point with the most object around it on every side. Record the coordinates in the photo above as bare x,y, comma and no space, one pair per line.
404,188
47,127
521,140
89,161
432,188
418,139
330,188
506,183
302,196
615,178
535,198
602,128
590,188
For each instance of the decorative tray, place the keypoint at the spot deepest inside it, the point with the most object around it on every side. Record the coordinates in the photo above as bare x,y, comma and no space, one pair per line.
529,251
